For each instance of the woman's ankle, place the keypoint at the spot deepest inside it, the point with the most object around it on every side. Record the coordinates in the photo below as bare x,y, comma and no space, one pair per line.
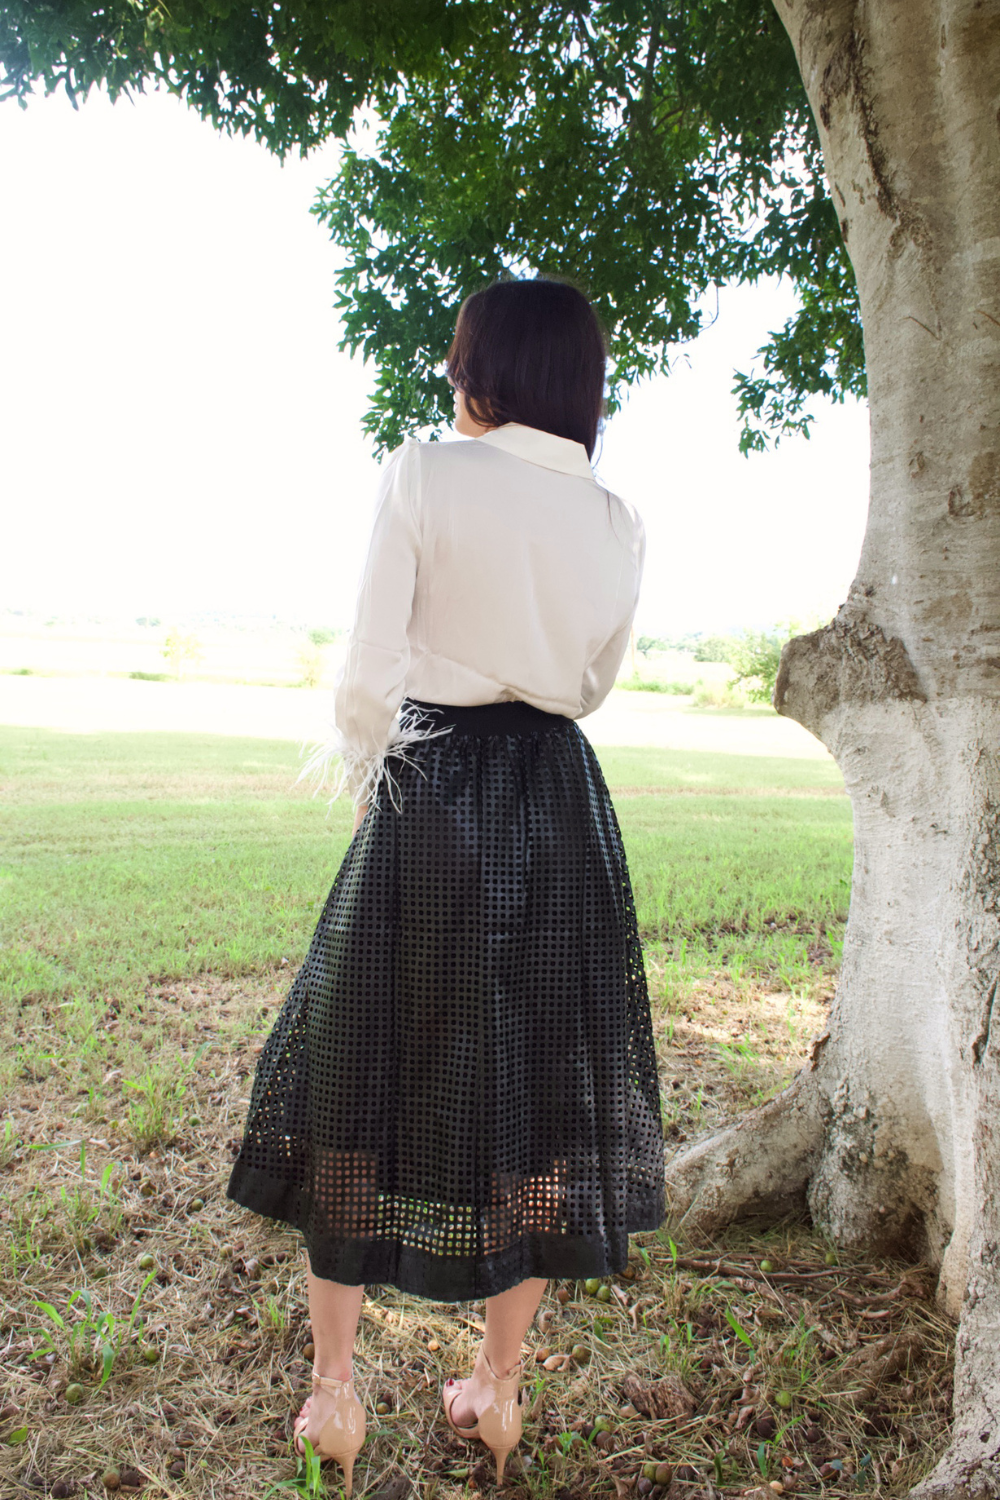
502,1369
333,1369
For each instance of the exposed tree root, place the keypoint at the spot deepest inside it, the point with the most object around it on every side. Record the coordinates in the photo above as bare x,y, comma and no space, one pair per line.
759,1166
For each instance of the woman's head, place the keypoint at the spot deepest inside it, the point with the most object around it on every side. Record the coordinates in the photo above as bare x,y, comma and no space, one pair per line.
531,352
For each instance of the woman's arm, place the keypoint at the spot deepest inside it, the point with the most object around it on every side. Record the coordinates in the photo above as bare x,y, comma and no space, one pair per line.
372,681
599,678
602,669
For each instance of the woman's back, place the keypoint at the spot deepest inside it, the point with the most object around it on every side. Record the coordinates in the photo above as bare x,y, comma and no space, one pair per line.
498,569
527,567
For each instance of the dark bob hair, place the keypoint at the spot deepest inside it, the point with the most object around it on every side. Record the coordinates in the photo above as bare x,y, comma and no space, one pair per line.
531,352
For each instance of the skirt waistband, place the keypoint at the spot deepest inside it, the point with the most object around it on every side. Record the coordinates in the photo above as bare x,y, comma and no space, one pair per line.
513,717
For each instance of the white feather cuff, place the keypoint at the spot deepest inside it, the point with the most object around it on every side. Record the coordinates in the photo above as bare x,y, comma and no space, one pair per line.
362,776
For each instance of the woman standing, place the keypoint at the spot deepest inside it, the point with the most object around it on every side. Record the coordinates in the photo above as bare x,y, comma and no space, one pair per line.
459,1096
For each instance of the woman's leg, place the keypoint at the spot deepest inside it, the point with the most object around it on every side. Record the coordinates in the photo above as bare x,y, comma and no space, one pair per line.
333,1312
508,1318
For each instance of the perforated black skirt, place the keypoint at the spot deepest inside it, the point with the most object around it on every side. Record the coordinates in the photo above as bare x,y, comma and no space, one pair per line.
460,1090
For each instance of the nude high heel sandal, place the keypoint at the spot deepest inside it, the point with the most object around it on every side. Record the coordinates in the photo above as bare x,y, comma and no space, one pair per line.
500,1423
343,1432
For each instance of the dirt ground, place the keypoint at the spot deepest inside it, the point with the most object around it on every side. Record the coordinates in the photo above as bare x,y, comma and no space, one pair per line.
756,1365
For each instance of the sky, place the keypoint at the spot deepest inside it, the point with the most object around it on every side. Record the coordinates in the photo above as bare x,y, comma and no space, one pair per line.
181,435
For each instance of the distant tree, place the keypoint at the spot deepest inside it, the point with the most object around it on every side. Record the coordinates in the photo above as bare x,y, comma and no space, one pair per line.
686,642
712,648
312,663
179,648
648,643
755,656
323,637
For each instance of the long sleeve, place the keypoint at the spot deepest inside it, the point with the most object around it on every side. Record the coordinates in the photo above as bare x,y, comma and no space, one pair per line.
372,680
602,669
371,683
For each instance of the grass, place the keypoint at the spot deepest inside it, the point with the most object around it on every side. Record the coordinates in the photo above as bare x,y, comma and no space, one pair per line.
127,856
639,684
158,893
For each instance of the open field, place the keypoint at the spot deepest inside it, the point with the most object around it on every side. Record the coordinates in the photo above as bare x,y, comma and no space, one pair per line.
257,652
158,892
95,705
252,651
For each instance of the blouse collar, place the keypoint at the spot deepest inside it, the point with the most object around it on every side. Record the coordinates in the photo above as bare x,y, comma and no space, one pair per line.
542,448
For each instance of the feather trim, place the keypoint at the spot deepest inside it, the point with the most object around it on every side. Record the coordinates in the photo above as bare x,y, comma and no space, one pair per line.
361,775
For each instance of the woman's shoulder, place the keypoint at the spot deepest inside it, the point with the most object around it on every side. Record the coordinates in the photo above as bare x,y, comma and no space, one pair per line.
424,458
419,454
440,468
625,511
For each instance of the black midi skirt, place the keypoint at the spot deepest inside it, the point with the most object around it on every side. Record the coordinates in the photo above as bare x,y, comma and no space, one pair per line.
460,1090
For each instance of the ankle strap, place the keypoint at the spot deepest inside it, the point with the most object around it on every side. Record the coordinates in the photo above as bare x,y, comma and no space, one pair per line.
335,1387
513,1374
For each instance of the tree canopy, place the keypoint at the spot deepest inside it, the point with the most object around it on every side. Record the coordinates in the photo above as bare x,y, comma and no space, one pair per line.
648,149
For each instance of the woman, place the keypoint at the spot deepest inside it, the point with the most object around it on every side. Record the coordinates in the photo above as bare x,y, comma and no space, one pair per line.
459,1097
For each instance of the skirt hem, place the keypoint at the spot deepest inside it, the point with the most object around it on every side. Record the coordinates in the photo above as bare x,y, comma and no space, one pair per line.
441,1278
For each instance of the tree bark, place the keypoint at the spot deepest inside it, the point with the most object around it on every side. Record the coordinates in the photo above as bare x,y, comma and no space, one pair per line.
892,1133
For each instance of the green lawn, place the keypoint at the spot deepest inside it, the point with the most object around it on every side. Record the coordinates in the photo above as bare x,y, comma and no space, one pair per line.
127,857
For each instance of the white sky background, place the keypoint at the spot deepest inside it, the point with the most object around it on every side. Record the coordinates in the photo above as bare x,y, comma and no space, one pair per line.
180,434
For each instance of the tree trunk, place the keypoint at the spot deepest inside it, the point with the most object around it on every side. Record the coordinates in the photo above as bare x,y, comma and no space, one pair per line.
892,1133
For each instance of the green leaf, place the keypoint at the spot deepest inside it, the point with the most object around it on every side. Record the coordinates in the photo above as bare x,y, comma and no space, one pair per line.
82,1294
19,1435
50,1312
738,1328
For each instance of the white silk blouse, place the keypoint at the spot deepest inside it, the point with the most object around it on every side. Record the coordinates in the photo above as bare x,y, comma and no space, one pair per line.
498,569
